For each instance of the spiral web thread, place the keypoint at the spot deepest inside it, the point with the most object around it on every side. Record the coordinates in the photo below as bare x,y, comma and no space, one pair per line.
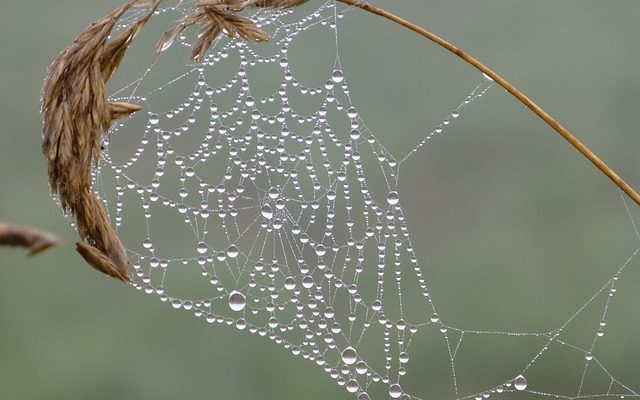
294,225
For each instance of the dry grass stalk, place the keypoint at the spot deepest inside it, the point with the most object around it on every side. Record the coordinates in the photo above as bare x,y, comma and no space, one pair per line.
35,240
218,16
76,114
515,92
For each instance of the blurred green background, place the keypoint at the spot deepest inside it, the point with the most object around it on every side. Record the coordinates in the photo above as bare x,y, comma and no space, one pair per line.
515,229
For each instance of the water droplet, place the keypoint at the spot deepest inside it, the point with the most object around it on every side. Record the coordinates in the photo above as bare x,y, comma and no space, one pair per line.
361,368
274,193
349,356
267,212
588,356
520,383
352,386
395,391
202,247
237,301
321,250
232,251
486,77
393,198
435,317
307,282
337,76
154,119
289,283
352,112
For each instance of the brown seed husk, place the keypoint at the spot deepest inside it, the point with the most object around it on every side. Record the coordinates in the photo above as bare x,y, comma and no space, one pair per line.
216,16
77,114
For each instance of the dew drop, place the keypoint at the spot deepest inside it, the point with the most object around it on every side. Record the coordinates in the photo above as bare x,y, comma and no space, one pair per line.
520,383
307,282
274,193
352,386
349,356
361,368
154,119
393,198
237,301
289,283
337,76
352,112
267,212
321,250
202,247
395,391
232,251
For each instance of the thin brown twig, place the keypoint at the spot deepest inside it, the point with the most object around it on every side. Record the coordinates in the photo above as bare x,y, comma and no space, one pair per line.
555,125
36,240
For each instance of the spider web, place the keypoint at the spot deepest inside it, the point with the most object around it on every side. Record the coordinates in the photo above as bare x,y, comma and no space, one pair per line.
251,200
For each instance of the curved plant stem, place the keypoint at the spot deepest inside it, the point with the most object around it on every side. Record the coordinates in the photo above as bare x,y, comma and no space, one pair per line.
584,150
